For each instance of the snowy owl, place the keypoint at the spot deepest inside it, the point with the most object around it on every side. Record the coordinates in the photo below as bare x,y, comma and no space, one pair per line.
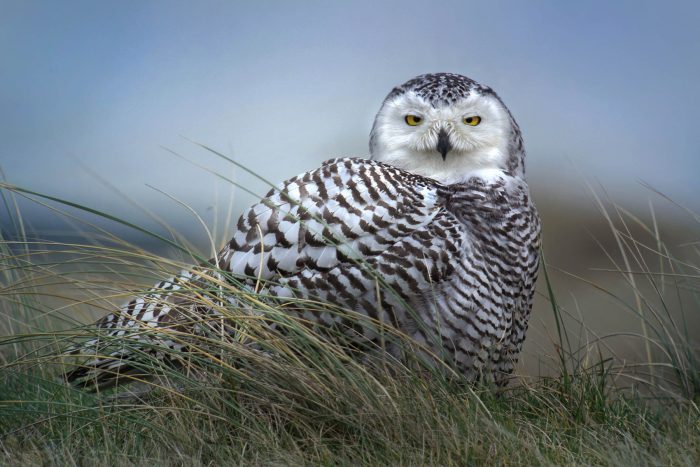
440,216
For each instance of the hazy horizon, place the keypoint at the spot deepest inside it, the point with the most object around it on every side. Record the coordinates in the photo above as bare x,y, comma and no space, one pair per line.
92,93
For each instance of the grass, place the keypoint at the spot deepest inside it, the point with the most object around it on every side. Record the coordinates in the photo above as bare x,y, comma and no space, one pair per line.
398,420
303,395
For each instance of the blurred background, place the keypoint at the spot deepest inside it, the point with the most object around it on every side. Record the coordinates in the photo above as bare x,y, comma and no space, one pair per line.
95,97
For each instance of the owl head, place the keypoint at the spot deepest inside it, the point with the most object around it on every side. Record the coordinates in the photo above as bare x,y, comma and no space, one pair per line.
447,127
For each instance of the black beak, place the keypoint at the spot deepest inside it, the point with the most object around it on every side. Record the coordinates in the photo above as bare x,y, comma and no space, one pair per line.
444,144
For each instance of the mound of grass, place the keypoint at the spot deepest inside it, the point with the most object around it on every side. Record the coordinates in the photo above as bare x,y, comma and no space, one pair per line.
293,414
303,395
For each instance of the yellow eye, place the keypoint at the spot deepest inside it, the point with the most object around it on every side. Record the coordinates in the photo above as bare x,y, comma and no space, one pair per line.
413,120
473,121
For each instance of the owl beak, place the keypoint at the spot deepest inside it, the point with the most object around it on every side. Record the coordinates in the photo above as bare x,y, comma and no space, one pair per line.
443,146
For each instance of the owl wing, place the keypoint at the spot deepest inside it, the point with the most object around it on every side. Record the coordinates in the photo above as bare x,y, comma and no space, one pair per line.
327,234
348,212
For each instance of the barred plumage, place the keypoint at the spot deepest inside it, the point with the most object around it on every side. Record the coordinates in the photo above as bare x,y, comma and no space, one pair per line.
442,217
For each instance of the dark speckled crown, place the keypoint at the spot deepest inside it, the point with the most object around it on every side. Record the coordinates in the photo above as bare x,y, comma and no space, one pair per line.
440,88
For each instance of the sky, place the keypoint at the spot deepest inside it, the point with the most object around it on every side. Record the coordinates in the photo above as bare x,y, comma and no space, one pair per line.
95,97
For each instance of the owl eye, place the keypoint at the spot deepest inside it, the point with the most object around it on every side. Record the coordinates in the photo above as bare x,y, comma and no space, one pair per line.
473,121
413,120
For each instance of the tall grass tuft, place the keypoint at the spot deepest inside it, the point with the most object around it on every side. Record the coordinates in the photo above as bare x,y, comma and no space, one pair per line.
303,394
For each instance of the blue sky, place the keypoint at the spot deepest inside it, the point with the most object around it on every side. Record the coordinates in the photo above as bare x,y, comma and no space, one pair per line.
93,91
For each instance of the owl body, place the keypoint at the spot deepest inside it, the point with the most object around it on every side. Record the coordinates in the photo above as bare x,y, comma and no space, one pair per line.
436,236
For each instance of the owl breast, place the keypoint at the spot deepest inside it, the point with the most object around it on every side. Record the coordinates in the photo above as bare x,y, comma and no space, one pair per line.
480,313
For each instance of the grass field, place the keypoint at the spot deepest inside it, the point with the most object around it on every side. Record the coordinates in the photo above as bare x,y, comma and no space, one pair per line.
303,396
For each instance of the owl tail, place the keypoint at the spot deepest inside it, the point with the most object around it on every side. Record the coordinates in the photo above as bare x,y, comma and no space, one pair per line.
150,335
105,372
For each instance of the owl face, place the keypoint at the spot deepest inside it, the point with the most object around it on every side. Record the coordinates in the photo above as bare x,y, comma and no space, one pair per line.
445,139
